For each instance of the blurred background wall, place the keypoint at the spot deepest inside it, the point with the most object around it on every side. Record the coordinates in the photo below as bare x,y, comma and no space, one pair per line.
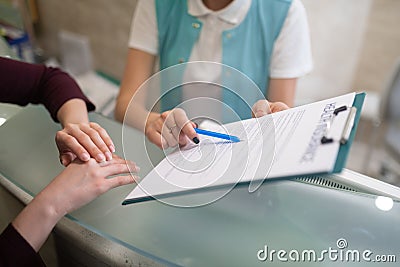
381,45
337,30
355,43
106,24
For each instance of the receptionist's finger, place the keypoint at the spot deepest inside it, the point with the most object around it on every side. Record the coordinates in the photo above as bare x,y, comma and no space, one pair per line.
278,106
185,126
170,130
155,136
261,108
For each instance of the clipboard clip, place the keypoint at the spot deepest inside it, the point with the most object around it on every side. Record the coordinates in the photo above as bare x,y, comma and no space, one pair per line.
344,135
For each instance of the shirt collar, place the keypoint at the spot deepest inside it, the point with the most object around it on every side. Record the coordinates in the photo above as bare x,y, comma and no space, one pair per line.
232,14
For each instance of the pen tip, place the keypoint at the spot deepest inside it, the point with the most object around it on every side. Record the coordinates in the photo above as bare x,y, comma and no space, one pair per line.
196,140
235,139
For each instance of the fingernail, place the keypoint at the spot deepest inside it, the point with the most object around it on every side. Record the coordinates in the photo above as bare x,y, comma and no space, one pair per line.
100,157
137,168
164,144
108,156
85,157
137,178
260,113
112,148
196,140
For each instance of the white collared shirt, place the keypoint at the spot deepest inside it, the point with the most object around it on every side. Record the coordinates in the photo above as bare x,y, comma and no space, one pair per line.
209,45
290,59
291,56
209,48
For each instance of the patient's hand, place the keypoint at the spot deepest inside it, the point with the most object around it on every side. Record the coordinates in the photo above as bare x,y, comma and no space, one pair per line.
83,141
264,107
77,185
81,182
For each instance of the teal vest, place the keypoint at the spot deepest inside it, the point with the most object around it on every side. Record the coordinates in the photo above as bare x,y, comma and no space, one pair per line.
247,48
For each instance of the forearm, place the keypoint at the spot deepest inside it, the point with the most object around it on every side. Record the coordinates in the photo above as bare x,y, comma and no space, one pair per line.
36,220
74,187
22,83
136,116
131,99
282,90
73,111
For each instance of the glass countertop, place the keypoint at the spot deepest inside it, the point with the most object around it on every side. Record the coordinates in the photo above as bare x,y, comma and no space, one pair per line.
284,219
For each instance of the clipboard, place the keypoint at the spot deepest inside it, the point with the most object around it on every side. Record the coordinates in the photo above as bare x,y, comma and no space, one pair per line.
341,130
345,148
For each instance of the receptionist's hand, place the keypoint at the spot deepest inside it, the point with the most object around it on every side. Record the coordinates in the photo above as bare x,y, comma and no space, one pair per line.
171,128
264,107
84,141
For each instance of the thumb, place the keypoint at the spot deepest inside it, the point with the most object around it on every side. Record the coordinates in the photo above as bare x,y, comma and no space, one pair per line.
66,158
261,108
278,106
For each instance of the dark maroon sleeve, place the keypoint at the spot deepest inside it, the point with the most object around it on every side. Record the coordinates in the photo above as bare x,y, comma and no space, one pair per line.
23,83
16,251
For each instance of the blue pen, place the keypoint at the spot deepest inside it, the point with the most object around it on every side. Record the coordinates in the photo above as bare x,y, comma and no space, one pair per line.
218,135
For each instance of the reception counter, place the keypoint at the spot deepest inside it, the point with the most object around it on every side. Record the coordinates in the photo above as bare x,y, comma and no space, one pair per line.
307,219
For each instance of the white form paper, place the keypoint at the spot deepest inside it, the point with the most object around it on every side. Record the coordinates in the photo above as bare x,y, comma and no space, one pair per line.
282,144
